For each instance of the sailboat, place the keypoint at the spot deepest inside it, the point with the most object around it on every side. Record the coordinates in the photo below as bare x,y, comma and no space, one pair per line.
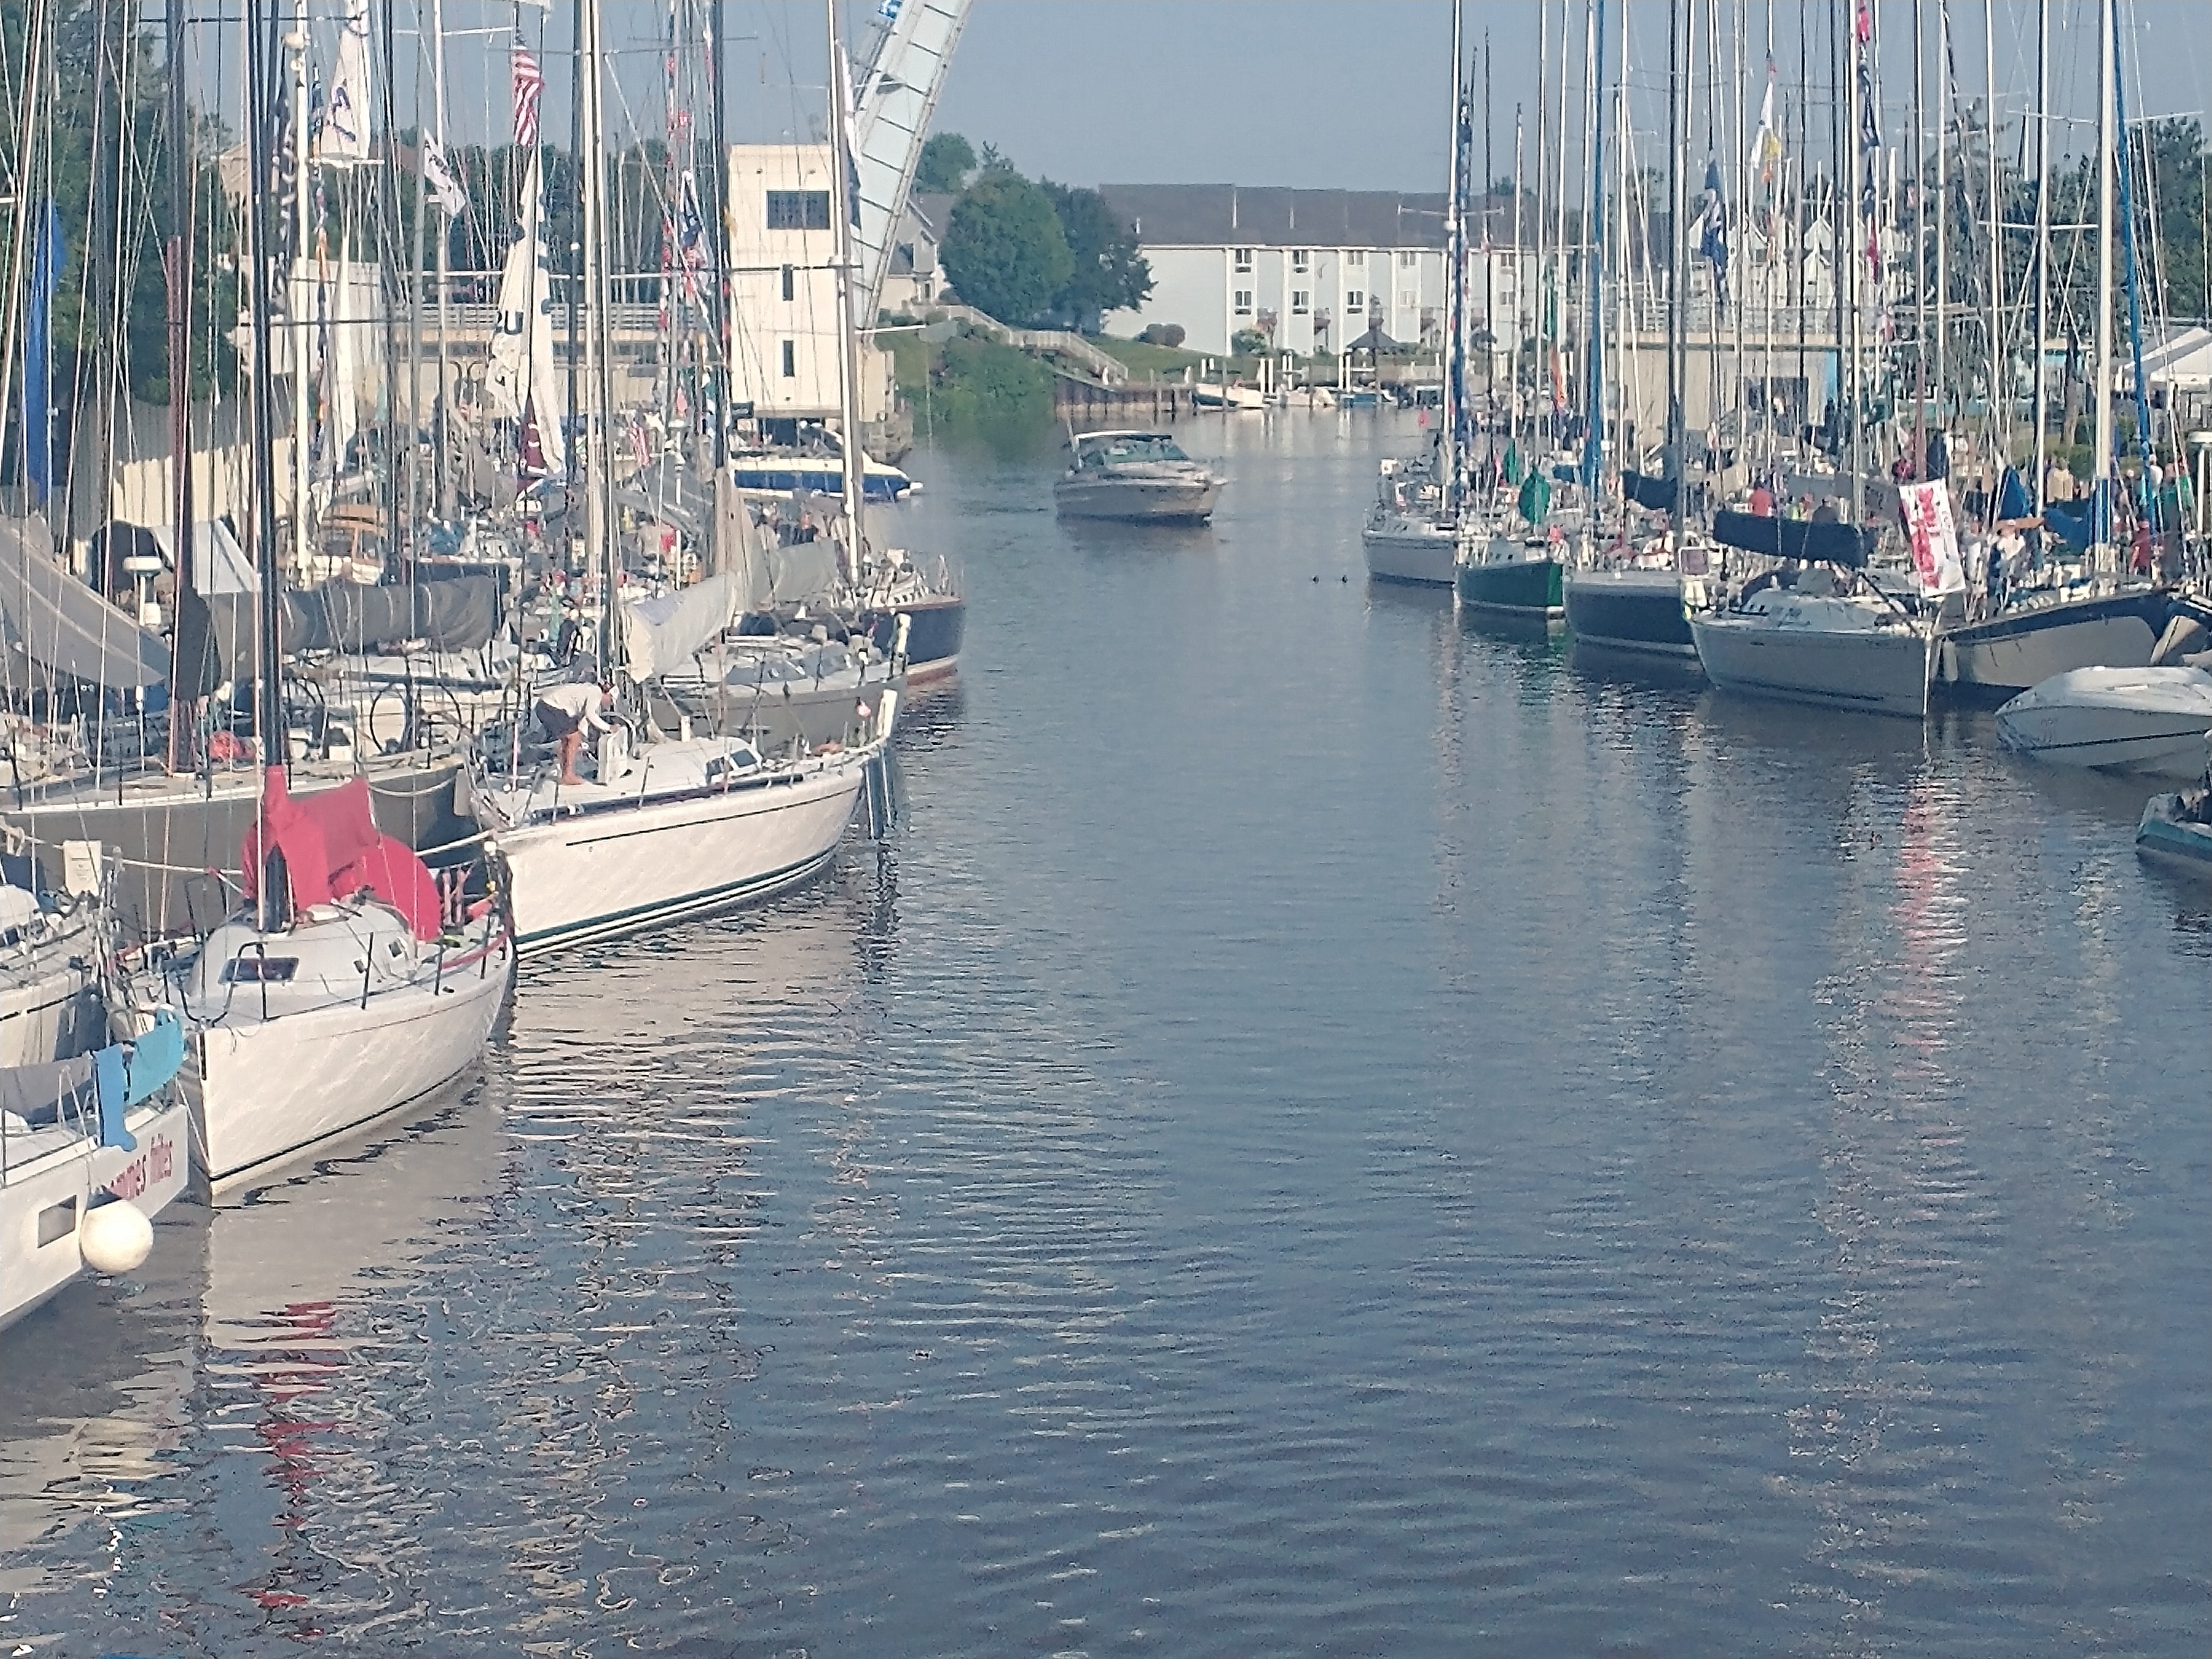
665,826
1415,529
351,980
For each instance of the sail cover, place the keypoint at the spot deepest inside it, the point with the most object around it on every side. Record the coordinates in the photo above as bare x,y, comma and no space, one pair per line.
1795,539
520,381
457,613
53,626
664,630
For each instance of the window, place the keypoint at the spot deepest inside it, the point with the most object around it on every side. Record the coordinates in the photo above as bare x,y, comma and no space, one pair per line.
260,970
790,360
1243,301
1408,258
1354,299
1408,299
798,210
1244,259
1301,301
1301,258
790,285
1355,258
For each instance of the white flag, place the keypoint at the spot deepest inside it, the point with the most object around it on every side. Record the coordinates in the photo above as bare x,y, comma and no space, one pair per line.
438,173
521,379
341,135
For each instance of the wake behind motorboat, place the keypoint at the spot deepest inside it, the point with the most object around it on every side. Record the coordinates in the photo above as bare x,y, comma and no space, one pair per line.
1139,476
2151,721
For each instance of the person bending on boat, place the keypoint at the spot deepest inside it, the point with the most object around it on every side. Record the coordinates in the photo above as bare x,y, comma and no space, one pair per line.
563,711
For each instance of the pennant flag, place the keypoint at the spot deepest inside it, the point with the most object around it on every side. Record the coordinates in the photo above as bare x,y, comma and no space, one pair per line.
342,136
529,82
1766,156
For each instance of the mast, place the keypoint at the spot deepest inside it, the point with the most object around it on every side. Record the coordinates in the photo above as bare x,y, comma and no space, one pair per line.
1520,290
1998,395
184,678
1542,359
1855,160
842,207
2145,444
2042,237
442,427
272,727
1678,258
596,372
1489,264
1455,284
1594,423
302,419
1942,212
1919,457
2100,533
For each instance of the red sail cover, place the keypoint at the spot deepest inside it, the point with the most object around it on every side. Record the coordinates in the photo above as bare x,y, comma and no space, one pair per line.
333,850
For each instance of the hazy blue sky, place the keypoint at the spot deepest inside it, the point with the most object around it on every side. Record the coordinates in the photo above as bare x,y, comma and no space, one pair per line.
1348,94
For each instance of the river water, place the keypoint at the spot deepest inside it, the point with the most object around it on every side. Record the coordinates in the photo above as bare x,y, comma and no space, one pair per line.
1325,1130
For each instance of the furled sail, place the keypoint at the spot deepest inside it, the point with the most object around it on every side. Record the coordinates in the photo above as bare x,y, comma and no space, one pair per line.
664,631
520,383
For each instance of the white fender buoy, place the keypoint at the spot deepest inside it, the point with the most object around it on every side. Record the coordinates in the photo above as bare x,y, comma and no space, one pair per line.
115,1238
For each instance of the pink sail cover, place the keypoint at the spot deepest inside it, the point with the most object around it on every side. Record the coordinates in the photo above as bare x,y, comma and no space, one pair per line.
333,850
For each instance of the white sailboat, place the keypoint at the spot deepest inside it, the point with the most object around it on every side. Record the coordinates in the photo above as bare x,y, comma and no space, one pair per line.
663,828
351,983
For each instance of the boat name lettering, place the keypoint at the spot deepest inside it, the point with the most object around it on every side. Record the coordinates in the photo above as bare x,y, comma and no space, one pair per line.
149,1168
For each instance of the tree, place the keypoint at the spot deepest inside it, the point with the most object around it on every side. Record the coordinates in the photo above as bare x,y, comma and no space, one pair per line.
946,160
1109,274
1004,250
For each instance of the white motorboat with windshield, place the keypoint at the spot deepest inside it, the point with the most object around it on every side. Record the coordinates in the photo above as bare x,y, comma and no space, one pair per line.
2151,721
1142,476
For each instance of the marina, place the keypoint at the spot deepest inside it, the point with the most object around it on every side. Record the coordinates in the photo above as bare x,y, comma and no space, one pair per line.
764,888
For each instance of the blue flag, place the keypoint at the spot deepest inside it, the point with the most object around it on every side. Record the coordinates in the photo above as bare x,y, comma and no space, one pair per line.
37,354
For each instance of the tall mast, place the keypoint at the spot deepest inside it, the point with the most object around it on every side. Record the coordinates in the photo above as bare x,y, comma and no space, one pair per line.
1537,268
1489,264
2000,398
273,729
842,207
1593,238
724,496
595,371
2042,235
1454,285
2101,377
302,416
1943,210
1678,256
1919,245
184,678
1854,163
442,426
1520,291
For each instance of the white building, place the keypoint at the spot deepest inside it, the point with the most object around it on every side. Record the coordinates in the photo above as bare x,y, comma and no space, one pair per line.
784,309
1311,269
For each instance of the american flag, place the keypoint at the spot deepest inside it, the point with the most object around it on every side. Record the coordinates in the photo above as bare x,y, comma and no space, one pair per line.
529,82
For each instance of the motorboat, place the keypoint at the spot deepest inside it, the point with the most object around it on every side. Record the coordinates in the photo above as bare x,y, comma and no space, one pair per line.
1142,476
1228,395
1852,649
92,1148
2151,721
666,830
816,466
372,984
2176,829
2042,632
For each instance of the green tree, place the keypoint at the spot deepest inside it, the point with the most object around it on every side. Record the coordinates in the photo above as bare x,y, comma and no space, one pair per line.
946,160
1109,274
1004,250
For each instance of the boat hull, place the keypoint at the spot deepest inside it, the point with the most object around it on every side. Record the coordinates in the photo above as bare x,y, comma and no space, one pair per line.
934,634
2148,721
1879,672
261,1091
1630,610
1410,554
1137,500
43,1196
2166,837
626,867
2026,647
1523,588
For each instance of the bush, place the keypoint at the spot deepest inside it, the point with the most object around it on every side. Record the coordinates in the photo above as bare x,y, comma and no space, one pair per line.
1248,343
1163,334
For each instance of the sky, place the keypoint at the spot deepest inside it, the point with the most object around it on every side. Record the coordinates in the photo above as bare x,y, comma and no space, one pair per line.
1344,93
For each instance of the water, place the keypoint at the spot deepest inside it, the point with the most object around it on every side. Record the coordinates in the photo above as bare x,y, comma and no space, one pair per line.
1327,1130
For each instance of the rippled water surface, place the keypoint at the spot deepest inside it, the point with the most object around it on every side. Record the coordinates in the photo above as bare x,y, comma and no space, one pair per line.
1326,1130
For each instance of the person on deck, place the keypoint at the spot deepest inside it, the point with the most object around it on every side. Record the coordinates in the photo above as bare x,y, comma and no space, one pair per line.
563,711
